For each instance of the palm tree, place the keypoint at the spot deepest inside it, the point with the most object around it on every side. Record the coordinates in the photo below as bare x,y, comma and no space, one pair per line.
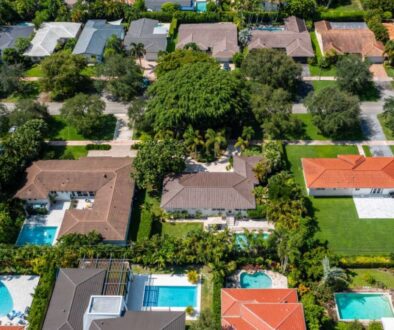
333,276
138,50
244,140
193,141
217,140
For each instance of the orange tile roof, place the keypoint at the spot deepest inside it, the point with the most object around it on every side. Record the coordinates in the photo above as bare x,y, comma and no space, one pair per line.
390,29
349,171
12,327
262,309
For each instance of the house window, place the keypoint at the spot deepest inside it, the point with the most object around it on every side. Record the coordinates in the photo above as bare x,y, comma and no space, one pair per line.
376,191
320,188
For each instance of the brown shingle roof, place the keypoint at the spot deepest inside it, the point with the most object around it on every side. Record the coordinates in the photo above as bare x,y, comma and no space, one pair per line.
294,38
348,41
108,177
207,190
220,38
70,297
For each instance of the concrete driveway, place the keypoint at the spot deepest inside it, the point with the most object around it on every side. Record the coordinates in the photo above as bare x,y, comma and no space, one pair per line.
374,207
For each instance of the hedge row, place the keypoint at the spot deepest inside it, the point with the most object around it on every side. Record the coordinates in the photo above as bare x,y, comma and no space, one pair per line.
173,28
98,147
366,262
216,299
342,16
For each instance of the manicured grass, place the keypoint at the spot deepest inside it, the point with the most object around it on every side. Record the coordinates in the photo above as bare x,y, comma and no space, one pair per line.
315,70
311,132
367,151
60,130
179,229
387,131
64,152
359,277
206,289
320,84
337,217
252,150
34,71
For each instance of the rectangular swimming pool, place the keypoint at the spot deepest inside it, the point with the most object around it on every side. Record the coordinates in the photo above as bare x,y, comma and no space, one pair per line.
170,296
363,306
37,235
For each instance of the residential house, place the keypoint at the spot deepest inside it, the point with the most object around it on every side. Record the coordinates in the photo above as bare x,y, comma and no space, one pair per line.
155,5
293,37
218,39
10,34
49,35
211,193
95,298
151,33
94,37
349,38
263,309
104,181
349,175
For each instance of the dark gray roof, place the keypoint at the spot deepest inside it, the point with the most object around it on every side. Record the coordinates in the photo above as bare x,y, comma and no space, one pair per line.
9,34
71,296
213,190
142,31
140,320
95,35
155,5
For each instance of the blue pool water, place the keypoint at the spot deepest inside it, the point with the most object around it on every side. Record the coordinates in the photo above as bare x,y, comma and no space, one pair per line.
170,296
257,280
241,241
201,6
6,302
270,28
363,306
35,234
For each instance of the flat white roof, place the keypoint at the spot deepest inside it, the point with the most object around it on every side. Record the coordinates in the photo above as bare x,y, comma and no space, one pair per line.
105,305
388,323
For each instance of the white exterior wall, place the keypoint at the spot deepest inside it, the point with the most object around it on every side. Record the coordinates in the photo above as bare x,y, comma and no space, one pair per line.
63,195
209,212
348,192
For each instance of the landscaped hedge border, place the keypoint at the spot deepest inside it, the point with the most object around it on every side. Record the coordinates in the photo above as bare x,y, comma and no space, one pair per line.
342,16
366,262
98,147
218,282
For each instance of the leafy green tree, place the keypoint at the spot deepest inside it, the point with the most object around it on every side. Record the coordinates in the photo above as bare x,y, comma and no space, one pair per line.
199,94
283,186
27,109
314,313
274,154
272,67
8,230
334,112
62,74
124,77
388,113
215,142
170,7
84,112
155,160
4,120
301,8
10,76
113,46
204,322
138,50
389,51
376,26
76,240
194,141
353,74
179,58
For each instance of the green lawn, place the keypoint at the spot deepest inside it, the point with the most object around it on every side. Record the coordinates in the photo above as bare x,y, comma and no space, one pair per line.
179,229
315,69
60,130
389,134
311,132
337,217
367,151
320,84
359,277
34,71
66,152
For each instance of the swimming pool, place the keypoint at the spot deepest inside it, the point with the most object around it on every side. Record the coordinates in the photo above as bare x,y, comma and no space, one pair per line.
241,240
201,6
363,306
36,234
270,28
170,296
258,280
6,303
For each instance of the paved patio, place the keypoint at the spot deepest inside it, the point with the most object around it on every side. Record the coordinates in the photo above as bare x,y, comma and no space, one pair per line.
374,207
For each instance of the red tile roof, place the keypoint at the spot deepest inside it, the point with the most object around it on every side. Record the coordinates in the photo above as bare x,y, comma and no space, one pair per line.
12,327
349,171
262,309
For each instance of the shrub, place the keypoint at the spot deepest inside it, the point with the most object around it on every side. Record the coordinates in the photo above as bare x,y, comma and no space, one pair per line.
366,262
260,212
98,147
192,276
173,28
338,16
216,299
189,310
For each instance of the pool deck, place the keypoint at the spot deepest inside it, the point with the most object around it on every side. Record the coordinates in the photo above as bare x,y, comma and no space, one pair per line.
21,288
137,289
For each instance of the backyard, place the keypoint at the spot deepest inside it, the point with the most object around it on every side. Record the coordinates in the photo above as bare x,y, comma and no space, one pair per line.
367,277
64,152
337,217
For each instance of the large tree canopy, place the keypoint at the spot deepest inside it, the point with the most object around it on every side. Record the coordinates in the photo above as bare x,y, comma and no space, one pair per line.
25,110
334,112
272,67
10,76
388,113
180,57
199,94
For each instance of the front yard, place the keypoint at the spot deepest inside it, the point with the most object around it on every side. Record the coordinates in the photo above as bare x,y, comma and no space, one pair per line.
337,217
387,131
64,152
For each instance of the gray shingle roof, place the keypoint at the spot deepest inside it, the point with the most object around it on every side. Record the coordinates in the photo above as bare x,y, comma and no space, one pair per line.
141,31
9,34
140,320
95,35
155,5
70,297
294,38
211,190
